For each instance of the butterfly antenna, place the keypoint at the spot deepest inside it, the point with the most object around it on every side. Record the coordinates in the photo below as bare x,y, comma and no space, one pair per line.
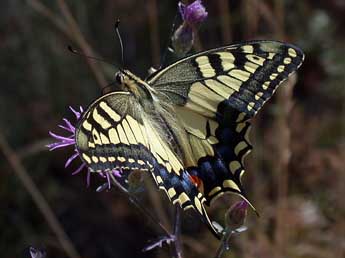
76,52
117,24
168,42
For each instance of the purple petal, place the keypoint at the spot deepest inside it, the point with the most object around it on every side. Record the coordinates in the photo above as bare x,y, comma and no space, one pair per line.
76,113
57,145
71,159
117,173
108,180
61,138
88,178
102,187
101,174
64,127
78,169
195,13
69,127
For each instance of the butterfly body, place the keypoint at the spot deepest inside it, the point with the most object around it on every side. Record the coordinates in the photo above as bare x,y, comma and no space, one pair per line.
187,124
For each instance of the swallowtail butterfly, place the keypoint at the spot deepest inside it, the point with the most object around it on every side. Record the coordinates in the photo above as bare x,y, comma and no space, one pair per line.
188,123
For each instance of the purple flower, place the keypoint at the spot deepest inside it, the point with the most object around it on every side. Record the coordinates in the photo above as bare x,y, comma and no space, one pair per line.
37,253
65,141
236,215
194,13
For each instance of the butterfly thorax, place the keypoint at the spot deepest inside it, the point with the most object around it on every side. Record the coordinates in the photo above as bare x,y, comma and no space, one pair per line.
135,100
132,83
157,110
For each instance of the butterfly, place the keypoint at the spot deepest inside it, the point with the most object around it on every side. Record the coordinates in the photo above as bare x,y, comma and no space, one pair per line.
188,123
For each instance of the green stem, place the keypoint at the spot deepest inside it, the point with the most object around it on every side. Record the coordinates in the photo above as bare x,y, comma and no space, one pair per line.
224,246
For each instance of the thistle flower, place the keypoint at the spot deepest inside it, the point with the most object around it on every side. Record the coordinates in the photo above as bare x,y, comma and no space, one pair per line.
65,141
192,15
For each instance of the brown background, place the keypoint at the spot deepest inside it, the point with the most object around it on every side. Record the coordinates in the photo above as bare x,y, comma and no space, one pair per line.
295,174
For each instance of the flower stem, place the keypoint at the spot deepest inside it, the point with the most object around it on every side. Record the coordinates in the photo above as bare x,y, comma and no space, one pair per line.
136,203
177,232
224,246
38,198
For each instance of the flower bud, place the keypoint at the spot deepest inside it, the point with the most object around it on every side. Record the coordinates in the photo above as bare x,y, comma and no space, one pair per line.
135,181
183,39
236,215
192,15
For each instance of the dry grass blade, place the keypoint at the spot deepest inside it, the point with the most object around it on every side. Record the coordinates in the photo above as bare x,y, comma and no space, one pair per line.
225,23
38,198
154,33
71,29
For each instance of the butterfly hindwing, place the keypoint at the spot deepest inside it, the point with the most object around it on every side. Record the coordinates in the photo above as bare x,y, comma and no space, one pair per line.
116,133
215,93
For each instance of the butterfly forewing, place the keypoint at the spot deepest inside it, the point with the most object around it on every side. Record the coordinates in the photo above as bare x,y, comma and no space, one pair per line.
245,74
215,93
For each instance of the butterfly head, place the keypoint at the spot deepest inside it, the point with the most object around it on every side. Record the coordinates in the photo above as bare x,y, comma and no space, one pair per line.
127,81
119,77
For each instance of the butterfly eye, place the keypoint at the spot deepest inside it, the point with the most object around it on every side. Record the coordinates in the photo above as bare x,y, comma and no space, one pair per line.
119,77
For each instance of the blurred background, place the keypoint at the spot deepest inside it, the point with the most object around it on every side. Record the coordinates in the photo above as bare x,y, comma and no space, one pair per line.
295,174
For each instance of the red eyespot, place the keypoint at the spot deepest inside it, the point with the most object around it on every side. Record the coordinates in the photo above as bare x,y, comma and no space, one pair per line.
196,181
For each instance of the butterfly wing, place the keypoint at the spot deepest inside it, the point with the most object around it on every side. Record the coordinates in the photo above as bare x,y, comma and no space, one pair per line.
215,93
116,133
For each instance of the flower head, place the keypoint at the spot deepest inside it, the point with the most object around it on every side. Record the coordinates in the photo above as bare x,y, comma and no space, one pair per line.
192,15
65,141
236,215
